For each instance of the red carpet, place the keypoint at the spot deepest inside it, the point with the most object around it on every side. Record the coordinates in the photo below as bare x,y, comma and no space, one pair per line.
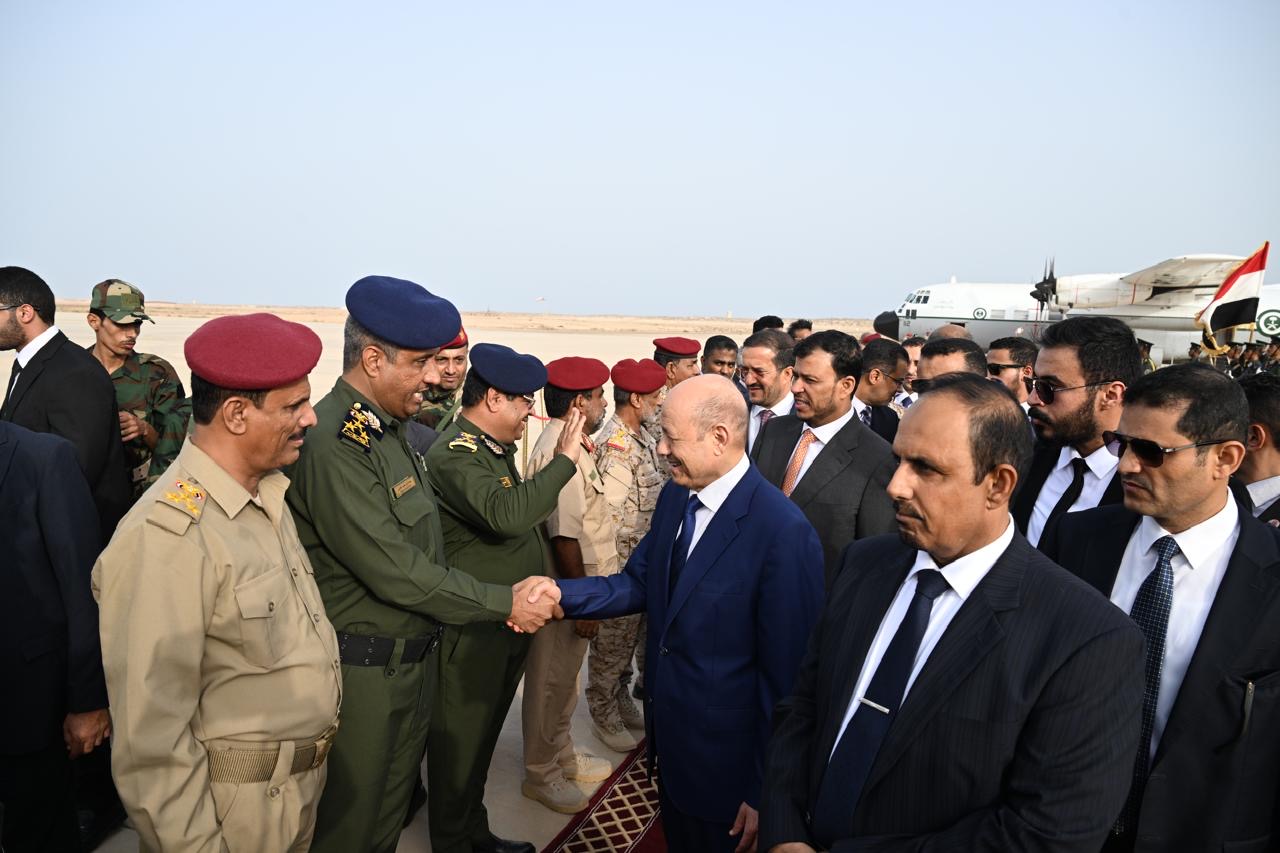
622,815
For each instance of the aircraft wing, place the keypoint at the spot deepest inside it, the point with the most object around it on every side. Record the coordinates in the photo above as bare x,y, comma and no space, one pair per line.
1185,272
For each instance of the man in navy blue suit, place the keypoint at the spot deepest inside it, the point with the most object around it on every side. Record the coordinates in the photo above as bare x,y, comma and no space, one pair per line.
730,576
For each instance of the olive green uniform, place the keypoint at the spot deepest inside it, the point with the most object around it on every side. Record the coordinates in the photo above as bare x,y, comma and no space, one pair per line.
492,529
439,407
368,519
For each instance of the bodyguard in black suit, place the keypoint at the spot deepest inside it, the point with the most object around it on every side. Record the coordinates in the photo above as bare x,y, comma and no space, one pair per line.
62,389
883,375
1260,469
1202,579
50,660
960,691
838,475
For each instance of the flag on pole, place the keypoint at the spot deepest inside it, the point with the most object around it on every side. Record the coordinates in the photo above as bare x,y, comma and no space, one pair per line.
1236,302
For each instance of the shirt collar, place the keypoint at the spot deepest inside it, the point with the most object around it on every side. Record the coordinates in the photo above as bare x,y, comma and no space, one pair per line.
782,407
716,492
1101,461
826,432
34,346
1197,543
347,394
224,489
964,574
859,405
1264,490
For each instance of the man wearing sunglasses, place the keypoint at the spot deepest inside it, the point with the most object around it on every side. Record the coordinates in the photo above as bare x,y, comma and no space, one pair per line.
1011,362
884,372
1082,369
1201,577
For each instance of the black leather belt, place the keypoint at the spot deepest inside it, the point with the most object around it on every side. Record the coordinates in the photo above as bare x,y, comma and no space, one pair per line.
359,650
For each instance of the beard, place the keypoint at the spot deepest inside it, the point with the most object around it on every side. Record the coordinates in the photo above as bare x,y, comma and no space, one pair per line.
1073,428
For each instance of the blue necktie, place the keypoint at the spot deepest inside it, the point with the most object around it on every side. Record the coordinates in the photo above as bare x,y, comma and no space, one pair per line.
1151,612
865,415
680,552
851,761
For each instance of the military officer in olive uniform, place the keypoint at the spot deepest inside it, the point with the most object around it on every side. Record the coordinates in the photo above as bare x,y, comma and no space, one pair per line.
627,459
441,401
368,519
492,530
222,670
154,409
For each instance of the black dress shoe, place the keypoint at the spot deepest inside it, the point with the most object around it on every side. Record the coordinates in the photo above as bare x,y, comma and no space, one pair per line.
503,845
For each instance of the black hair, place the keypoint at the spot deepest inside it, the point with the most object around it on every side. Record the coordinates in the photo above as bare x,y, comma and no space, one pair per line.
914,341
719,342
886,323
843,349
1022,351
664,358
998,433
1106,347
207,398
356,337
779,342
20,286
1217,408
559,400
768,321
1262,391
474,390
621,397
884,355
798,325
975,360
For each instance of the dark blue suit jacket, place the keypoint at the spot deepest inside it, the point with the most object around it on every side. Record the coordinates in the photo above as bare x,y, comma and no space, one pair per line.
725,647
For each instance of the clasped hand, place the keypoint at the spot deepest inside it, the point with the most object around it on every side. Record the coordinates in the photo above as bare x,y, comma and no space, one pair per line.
535,601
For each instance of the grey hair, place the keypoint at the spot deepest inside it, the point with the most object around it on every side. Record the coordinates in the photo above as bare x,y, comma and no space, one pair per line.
725,406
356,337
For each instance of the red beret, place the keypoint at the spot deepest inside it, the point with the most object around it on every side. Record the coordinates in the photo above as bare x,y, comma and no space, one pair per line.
638,377
252,352
577,374
869,337
680,347
459,342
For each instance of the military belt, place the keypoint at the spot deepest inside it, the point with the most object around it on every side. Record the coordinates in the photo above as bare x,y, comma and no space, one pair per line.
359,650
243,766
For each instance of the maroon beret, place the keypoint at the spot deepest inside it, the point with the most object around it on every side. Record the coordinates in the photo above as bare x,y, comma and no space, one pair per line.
679,347
638,377
574,373
252,352
459,342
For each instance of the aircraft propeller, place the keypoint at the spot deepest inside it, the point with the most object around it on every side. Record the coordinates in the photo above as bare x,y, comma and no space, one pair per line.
1047,287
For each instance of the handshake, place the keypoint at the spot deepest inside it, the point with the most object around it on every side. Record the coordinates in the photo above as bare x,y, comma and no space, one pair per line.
535,601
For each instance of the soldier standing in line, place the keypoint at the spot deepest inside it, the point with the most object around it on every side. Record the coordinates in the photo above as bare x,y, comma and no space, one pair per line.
583,542
368,519
222,670
492,520
154,408
627,459
442,399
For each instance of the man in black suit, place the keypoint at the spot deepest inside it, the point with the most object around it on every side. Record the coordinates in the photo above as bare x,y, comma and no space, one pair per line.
50,660
960,691
1260,469
884,373
768,360
1201,577
1082,369
824,458
58,387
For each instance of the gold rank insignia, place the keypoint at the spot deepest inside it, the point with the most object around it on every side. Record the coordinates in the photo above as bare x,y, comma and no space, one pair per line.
494,447
618,441
464,441
359,425
186,497
506,482
896,408
371,421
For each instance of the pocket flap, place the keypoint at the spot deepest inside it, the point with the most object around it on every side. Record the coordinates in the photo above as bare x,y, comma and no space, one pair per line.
261,597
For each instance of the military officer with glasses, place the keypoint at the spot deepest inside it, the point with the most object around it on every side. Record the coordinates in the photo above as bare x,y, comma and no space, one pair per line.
1075,395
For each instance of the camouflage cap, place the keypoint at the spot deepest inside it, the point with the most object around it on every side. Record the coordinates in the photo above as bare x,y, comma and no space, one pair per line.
119,301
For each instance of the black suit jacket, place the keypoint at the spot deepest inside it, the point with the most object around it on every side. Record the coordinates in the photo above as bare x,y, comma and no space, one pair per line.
1215,780
884,422
1042,463
50,660
65,391
1018,734
843,492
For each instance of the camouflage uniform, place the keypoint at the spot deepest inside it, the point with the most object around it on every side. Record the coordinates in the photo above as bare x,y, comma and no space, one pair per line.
438,408
629,464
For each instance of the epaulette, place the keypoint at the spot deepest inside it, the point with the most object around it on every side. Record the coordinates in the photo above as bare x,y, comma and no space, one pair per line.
187,499
620,440
494,448
896,408
464,441
360,423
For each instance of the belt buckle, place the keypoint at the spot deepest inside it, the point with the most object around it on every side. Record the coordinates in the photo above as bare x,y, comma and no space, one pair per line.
323,745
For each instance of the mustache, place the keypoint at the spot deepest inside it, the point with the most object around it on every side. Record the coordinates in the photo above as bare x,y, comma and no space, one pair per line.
1136,480
904,508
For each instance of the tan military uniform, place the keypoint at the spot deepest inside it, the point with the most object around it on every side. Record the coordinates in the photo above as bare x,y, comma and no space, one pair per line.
222,670
555,657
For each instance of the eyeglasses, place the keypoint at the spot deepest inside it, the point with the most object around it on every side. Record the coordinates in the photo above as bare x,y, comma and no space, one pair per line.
1046,391
529,399
1148,452
11,307
897,380
997,369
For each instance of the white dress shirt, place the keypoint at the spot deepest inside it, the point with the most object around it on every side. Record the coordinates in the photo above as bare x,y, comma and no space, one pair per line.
821,436
1198,567
29,351
1100,465
1263,494
782,407
962,575
712,497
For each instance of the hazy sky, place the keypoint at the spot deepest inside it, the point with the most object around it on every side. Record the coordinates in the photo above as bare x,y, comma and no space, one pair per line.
650,158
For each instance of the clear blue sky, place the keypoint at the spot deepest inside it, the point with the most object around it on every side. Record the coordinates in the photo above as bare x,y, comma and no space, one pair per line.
817,158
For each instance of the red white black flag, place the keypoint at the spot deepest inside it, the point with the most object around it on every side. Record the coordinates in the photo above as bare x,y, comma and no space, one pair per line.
1236,302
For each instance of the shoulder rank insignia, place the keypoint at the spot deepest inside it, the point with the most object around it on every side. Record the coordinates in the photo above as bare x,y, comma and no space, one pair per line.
587,444
464,441
896,408
494,447
186,497
359,425
371,421
619,440
506,482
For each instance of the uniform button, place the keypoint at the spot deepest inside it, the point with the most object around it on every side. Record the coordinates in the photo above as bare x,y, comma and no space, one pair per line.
293,572
315,617
271,606
273,793
664,650
391,672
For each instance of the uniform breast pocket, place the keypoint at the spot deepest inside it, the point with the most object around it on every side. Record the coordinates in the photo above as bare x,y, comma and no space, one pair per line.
266,603
412,506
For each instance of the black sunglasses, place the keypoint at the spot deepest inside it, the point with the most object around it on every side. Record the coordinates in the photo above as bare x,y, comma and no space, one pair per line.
997,369
1148,452
1046,391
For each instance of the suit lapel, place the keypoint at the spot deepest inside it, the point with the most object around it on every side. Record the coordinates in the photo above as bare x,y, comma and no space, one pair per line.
774,456
7,444
1114,492
830,461
1024,502
1271,513
30,373
1103,549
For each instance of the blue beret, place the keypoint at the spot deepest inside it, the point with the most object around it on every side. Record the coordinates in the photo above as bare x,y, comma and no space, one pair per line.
507,370
403,313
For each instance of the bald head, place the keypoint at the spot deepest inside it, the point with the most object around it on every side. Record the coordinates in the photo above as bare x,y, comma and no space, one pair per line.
710,400
704,430
949,330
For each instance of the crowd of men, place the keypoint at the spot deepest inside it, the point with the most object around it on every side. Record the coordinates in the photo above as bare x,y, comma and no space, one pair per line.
872,594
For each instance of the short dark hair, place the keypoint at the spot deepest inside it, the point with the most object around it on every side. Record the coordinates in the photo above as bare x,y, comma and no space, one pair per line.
886,323
768,321
975,360
1217,408
779,342
621,397
664,358
883,354
474,390
719,342
1262,391
1106,347
559,400
797,325
914,341
843,349
207,398
1022,350
356,337
998,433
20,286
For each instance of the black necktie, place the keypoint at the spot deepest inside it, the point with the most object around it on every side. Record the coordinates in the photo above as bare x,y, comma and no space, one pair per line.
851,761
1070,496
13,381
680,552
